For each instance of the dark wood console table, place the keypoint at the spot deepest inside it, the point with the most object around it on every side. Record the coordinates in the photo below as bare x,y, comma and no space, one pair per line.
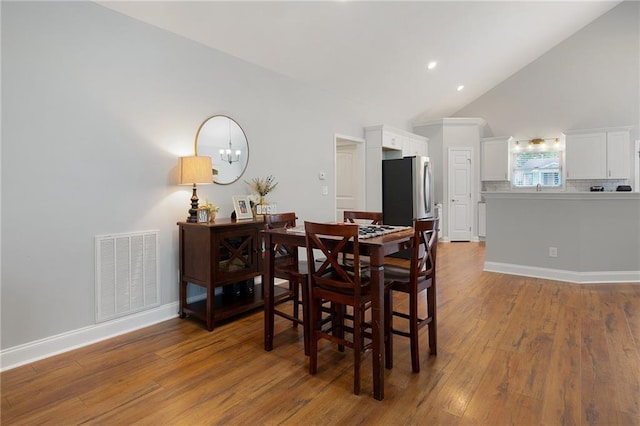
216,254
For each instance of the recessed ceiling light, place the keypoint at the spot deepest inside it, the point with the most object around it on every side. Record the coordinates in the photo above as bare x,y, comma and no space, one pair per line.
431,65
460,88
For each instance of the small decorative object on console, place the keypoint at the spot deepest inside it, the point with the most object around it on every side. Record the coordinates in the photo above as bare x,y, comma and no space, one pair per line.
203,214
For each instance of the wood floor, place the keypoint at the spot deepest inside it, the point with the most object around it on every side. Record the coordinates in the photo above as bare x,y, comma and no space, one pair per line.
512,350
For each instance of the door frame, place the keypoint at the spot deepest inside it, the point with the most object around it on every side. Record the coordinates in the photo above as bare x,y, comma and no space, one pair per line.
473,202
636,155
360,145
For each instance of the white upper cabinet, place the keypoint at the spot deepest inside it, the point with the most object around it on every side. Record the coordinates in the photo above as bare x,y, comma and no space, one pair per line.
494,163
618,147
385,142
414,146
391,140
598,153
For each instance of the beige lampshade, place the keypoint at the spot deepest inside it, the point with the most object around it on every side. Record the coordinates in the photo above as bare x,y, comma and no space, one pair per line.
194,170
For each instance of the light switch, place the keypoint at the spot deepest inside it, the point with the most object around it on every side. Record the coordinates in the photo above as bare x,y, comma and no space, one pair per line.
325,190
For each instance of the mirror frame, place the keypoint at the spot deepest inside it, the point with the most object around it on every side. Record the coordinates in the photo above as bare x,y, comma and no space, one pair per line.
244,159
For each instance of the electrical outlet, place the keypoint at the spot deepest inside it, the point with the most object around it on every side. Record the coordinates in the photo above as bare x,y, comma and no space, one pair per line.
553,252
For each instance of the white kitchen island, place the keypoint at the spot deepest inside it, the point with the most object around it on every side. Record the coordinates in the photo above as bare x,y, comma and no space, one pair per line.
595,236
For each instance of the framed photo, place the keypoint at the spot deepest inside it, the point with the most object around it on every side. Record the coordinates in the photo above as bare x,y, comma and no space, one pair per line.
203,214
242,206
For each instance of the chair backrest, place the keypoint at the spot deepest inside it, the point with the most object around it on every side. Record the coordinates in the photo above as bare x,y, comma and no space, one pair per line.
280,220
356,217
283,220
425,244
325,268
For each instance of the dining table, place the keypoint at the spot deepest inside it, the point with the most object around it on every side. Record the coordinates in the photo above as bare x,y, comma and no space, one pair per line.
376,248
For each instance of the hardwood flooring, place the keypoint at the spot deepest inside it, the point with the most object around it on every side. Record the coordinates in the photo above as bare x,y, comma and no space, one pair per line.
512,350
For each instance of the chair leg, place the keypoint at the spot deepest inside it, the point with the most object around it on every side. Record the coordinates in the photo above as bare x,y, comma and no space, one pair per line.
314,315
338,322
357,349
388,327
296,300
413,332
433,326
306,317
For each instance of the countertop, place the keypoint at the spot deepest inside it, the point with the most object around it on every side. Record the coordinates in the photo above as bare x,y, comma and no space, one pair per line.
549,195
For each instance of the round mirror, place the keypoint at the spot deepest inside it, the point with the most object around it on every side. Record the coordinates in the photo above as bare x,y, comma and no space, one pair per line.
222,139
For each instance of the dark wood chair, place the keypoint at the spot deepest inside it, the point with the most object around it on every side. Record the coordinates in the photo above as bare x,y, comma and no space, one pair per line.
361,218
374,218
288,267
330,281
420,277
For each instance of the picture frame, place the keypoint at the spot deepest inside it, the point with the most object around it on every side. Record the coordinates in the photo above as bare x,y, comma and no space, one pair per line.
203,214
242,207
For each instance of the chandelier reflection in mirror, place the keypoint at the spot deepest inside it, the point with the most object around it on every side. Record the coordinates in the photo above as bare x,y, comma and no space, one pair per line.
221,138
226,154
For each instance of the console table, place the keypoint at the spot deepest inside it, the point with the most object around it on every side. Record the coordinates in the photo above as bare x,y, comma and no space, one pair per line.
217,254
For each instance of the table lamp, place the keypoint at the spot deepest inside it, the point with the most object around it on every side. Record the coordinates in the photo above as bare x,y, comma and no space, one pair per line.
191,171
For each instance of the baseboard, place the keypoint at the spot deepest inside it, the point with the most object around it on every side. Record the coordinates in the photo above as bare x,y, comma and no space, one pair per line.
594,277
64,342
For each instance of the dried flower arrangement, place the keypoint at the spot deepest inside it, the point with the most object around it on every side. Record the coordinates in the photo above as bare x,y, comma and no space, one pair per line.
263,186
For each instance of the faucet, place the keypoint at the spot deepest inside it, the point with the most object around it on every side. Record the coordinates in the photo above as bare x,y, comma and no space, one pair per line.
538,188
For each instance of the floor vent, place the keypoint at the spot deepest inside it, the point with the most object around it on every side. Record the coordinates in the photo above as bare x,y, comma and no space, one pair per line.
126,274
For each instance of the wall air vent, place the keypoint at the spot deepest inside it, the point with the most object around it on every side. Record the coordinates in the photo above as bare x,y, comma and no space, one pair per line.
126,274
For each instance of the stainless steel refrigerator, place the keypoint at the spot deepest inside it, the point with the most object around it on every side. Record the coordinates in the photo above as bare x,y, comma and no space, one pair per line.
407,190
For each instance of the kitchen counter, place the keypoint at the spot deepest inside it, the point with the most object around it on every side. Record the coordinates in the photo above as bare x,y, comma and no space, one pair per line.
581,237
551,195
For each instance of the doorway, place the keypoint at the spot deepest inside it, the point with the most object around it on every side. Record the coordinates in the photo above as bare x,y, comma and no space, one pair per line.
459,203
350,174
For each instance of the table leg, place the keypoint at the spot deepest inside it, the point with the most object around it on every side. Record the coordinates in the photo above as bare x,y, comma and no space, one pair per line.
377,325
267,288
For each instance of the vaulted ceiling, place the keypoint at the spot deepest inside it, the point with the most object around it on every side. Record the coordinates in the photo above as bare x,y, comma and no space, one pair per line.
377,52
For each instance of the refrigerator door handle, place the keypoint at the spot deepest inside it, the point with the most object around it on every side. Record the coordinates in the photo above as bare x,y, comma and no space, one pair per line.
426,173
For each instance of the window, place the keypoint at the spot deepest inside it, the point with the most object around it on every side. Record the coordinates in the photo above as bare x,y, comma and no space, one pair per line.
537,166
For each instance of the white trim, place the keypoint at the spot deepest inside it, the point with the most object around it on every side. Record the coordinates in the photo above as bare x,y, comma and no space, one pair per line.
594,277
53,345
598,130
636,155
474,121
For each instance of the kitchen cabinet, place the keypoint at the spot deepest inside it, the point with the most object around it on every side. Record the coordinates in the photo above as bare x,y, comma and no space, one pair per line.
414,146
391,140
598,153
495,164
618,146
386,142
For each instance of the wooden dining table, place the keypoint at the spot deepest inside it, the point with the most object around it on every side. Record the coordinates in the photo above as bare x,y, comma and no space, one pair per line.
376,248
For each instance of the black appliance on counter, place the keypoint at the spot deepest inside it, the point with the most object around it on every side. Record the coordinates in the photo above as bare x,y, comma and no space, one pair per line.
597,189
625,188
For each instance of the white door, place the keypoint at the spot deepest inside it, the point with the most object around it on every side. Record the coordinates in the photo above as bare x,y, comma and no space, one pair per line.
459,194
349,176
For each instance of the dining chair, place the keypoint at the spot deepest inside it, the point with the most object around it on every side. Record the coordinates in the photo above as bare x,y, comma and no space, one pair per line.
420,277
361,218
330,281
288,267
371,218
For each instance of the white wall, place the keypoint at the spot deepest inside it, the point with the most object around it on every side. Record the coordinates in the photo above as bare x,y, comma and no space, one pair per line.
96,109
590,80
